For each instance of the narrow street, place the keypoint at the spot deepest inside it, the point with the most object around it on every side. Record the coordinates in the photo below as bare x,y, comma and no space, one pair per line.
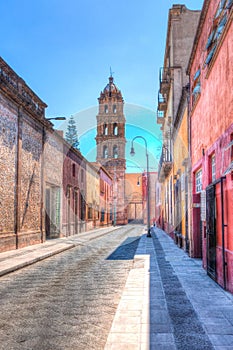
67,301
115,289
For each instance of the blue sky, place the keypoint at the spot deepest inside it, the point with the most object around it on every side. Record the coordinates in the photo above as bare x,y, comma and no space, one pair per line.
64,50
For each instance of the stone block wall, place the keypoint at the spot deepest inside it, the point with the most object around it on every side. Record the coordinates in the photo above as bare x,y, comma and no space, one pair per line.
31,154
8,156
21,145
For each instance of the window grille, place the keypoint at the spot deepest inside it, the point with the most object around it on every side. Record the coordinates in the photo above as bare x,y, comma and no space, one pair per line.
198,180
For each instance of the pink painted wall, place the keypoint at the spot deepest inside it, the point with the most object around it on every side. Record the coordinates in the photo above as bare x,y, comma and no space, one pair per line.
211,130
213,113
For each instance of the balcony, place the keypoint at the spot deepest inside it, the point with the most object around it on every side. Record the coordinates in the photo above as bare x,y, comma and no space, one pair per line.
164,79
165,164
160,117
162,102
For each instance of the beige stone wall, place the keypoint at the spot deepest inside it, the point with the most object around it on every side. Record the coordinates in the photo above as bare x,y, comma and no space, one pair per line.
53,159
53,175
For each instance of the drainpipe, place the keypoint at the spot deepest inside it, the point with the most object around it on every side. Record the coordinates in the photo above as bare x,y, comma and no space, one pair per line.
42,226
189,168
18,179
223,234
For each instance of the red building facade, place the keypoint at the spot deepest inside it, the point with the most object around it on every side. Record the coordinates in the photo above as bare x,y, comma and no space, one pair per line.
211,120
74,192
107,209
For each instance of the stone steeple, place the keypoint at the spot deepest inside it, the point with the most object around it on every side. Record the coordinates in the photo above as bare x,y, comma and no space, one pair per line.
110,141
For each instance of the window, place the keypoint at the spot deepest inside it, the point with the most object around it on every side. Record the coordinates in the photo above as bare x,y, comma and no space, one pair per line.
83,207
229,4
115,129
105,129
213,168
198,181
102,186
68,191
210,54
82,175
58,207
114,109
105,152
73,169
196,87
106,109
90,212
102,215
115,152
219,22
220,8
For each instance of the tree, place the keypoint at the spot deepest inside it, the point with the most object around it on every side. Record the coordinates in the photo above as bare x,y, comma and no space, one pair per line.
72,134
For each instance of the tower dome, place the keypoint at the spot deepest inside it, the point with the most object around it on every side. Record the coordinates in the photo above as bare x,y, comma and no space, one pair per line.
111,87
111,90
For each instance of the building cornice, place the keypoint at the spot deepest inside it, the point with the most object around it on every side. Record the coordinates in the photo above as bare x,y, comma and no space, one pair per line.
201,22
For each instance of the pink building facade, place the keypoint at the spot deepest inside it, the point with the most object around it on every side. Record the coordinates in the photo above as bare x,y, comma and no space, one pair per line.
211,122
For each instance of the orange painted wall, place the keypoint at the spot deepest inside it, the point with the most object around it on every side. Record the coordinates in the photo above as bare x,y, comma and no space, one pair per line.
180,153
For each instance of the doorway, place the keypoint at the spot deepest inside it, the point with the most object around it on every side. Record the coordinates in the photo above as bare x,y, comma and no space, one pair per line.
211,230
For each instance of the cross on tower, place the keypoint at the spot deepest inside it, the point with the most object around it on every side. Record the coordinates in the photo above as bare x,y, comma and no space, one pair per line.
111,72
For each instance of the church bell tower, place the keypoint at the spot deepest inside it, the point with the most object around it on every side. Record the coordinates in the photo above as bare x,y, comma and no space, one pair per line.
110,141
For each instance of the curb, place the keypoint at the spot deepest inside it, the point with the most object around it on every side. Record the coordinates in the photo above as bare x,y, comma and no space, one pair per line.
31,261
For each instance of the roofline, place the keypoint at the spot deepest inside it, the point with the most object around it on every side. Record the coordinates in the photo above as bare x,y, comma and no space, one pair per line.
6,65
98,166
170,15
202,18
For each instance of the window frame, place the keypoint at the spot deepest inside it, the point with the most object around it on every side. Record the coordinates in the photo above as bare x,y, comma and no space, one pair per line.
198,181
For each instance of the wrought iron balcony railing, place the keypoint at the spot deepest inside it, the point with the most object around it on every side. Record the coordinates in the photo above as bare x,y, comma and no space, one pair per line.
160,117
165,164
162,102
164,79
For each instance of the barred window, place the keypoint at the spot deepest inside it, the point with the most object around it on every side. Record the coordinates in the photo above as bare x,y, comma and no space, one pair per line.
213,168
198,181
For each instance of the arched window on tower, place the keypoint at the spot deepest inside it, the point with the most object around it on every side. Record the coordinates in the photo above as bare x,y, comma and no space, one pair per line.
115,129
114,109
106,108
105,129
115,151
105,152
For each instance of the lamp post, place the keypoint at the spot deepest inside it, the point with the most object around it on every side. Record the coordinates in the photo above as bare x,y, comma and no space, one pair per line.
138,181
56,118
132,153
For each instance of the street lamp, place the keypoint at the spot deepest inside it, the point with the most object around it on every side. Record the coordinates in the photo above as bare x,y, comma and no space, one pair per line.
132,153
56,118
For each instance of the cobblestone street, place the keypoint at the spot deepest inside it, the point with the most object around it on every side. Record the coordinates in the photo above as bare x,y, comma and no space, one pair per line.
67,301
113,289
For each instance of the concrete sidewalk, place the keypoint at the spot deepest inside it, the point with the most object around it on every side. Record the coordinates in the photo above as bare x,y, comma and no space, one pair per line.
205,318
13,260
170,303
